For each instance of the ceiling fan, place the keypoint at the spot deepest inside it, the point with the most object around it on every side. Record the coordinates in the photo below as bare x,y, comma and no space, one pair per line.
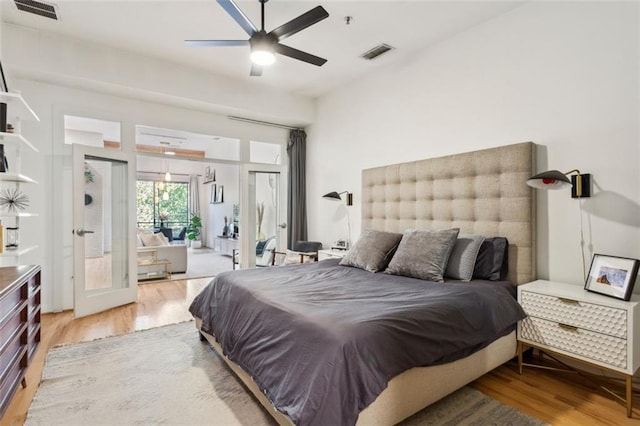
264,44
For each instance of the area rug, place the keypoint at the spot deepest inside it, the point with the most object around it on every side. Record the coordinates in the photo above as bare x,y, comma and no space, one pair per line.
166,375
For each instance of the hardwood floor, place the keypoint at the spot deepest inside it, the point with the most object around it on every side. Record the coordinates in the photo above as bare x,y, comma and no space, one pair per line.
557,399
158,304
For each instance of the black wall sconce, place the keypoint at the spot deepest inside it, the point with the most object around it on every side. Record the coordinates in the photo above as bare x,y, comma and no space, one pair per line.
335,196
553,179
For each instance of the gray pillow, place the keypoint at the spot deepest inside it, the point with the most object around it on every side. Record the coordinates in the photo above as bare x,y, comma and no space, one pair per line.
423,254
372,251
463,257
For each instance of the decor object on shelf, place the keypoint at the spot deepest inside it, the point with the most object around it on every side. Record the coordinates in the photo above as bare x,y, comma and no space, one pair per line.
612,276
88,199
13,238
213,194
13,199
265,45
553,179
208,175
218,194
225,230
4,164
4,87
3,117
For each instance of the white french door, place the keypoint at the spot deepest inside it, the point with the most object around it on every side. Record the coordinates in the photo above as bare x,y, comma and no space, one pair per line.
104,249
263,209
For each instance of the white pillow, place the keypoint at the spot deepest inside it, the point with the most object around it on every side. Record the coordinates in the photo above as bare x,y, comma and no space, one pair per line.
294,257
153,240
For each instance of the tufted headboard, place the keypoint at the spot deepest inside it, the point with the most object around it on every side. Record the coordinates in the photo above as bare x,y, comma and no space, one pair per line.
481,192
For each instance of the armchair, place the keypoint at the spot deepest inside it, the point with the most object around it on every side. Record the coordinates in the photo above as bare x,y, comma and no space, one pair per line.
264,253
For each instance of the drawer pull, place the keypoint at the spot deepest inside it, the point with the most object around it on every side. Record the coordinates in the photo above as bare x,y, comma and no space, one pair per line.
567,327
568,301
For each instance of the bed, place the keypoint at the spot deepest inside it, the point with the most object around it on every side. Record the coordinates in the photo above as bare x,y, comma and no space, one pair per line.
481,192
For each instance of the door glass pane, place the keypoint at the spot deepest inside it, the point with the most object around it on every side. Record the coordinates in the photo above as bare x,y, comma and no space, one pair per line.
263,194
105,222
91,132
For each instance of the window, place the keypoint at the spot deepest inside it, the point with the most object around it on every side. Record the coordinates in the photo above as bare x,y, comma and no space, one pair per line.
162,205
91,132
264,152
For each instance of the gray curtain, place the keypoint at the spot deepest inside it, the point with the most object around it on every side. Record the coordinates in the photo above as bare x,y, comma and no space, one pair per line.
297,192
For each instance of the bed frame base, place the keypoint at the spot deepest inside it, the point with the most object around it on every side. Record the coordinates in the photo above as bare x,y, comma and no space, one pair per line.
408,392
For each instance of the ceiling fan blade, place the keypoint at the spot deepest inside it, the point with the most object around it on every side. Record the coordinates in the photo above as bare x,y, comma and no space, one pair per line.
303,21
299,55
256,70
204,43
232,9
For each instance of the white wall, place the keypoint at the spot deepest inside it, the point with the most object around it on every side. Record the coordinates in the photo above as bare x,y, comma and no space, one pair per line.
227,175
563,75
43,56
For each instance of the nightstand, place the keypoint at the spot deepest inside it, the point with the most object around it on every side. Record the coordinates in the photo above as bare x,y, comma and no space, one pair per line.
567,320
331,254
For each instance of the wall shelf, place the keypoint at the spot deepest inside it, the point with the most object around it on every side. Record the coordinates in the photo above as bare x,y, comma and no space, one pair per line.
15,177
17,106
17,214
15,139
18,252
17,111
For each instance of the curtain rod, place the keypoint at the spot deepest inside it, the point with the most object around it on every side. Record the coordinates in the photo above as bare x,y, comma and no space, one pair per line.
264,123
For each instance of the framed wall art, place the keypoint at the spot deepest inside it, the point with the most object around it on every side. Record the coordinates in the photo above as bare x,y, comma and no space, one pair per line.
219,196
612,276
209,175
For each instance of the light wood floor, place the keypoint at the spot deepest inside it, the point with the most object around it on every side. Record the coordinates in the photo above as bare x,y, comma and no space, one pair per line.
554,398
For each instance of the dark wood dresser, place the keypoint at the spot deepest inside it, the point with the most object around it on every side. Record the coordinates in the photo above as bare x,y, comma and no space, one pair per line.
19,326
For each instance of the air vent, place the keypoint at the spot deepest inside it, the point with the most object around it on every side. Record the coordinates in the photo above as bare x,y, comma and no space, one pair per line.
48,10
376,51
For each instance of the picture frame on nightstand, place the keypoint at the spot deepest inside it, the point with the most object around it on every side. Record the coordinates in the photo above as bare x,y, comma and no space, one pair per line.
612,276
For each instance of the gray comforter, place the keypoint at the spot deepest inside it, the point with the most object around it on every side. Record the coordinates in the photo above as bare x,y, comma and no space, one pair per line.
322,340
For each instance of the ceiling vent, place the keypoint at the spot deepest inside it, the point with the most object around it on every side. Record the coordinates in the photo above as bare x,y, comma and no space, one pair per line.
376,51
48,10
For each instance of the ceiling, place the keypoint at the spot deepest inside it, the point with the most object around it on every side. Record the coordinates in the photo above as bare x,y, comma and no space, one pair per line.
158,28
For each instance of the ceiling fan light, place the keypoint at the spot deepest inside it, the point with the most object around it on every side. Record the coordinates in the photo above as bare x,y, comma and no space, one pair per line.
263,57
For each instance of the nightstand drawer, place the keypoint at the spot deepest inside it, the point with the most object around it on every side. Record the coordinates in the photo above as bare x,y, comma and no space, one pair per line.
588,316
603,348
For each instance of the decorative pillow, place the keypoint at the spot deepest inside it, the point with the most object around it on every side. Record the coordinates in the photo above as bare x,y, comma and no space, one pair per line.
153,239
423,254
492,261
463,257
294,257
372,251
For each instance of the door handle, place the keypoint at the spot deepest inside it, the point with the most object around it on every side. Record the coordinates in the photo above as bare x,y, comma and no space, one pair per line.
80,232
283,225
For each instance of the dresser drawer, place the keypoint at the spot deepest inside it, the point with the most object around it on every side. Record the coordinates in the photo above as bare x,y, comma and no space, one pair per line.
599,347
589,316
